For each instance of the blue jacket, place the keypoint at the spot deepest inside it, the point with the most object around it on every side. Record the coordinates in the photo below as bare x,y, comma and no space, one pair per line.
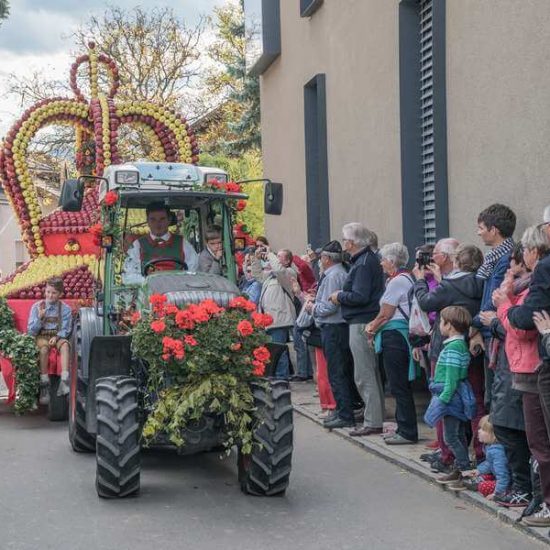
363,288
496,463
252,289
491,284
462,405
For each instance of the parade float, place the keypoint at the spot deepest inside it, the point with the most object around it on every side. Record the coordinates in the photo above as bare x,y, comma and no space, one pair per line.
63,243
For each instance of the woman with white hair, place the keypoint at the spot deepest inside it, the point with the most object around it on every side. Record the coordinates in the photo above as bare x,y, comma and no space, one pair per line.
389,330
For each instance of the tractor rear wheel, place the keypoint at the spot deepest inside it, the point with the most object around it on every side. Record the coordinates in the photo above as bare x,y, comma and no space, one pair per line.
266,471
58,407
117,441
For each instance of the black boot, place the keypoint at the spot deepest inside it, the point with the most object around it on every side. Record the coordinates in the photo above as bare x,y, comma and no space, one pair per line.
536,502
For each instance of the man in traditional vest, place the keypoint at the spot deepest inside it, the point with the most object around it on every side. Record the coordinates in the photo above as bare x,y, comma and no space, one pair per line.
158,244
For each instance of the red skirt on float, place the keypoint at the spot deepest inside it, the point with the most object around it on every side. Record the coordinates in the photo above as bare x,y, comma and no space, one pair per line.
9,377
323,385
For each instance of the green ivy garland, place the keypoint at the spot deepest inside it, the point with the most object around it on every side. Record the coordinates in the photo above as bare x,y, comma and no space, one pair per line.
21,350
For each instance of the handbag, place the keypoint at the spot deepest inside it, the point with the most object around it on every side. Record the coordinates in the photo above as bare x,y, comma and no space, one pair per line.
419,322
304,319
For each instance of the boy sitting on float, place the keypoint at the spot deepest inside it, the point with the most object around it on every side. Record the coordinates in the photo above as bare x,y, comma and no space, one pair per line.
50,322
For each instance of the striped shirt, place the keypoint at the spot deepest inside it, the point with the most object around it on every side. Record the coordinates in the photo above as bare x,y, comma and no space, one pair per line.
452,366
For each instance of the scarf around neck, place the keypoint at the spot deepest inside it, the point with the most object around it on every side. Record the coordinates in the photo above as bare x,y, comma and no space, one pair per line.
493,256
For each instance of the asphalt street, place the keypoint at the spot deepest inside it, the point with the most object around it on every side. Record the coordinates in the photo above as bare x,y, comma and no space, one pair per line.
340,498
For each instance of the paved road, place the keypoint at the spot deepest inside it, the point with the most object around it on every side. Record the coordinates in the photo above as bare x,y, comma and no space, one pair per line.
340,498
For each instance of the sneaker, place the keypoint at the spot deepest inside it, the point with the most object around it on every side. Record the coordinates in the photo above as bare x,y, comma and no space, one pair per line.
337,422
440,467
397,439
44,398
328,416
540,519
430,457
532,508
452,477
456,486
513,499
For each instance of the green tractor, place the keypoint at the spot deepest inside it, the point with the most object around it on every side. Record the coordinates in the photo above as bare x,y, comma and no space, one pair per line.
106,415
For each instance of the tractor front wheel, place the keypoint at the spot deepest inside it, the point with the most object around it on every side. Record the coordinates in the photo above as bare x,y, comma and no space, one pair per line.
266,470
117,442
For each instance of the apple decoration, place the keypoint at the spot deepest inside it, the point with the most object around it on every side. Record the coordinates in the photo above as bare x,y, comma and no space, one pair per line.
97,121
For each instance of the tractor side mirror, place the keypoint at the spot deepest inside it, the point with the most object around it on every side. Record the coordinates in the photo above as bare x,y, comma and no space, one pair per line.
273,198
72,195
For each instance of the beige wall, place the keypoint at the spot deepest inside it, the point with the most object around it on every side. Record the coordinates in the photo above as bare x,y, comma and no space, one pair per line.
498,113
9,234
357,48
498,109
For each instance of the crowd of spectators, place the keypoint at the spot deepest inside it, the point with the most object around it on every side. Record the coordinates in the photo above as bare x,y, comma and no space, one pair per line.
472,327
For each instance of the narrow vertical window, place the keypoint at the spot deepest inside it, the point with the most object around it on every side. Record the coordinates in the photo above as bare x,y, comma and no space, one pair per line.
317,192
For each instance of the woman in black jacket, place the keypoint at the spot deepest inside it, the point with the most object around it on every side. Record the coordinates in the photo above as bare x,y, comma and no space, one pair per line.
460,288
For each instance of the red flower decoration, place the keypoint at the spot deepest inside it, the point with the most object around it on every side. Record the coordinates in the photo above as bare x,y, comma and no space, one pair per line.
96,231
135,318
110,198
171,309
166,357
158,301
184,320
262,320
190,340
232,187
242,303
198,313
259,368
236,346
261,354
245,328
241,205
158,326
211,307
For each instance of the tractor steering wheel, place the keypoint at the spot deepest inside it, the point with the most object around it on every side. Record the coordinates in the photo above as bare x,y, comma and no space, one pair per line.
151,263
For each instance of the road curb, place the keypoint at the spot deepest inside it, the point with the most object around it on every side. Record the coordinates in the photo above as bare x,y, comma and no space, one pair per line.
502,514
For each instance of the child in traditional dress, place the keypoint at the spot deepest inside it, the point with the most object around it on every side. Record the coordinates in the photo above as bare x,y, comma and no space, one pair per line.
50,321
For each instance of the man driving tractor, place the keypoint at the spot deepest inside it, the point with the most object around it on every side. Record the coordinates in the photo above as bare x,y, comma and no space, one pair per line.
160,248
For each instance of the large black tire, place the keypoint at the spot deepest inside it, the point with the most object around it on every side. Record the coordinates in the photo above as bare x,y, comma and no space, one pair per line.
266,471
81,441
117,442
58,407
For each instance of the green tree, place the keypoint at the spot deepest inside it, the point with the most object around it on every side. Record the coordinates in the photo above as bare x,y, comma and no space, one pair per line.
4,9
247,166
237,127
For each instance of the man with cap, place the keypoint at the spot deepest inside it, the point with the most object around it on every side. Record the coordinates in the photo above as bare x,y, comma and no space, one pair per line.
158,244
334,335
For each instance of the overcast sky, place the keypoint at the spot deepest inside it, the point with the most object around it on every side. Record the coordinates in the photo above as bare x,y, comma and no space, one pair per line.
37,36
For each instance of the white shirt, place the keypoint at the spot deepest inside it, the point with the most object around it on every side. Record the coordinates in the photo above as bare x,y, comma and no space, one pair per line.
131,273
397,295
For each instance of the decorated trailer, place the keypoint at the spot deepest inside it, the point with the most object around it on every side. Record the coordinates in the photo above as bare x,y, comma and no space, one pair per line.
175,358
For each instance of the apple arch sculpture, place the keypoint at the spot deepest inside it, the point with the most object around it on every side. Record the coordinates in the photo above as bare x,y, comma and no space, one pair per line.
60,243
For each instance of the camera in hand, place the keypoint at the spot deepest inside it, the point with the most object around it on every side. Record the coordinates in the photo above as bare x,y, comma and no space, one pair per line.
424,259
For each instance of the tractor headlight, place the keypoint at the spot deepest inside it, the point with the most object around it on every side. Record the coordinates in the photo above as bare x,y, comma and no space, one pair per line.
127,177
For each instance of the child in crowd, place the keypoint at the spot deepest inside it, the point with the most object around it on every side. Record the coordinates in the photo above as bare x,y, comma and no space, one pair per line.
492,477
450,379
50,321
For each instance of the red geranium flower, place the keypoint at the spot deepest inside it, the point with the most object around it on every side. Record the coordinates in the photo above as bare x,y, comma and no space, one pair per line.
236,346
158,326
240,302
241,205
190,340
198,313
96,231
166,357
262,354
262,320
232,187
245,328
135,318
184,321
259,368
211,307
171,309
110,198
